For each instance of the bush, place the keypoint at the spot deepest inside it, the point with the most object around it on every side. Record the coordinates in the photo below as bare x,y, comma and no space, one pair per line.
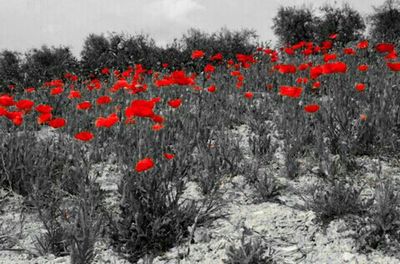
336,199
88,226
253,251
23,168
153,217
380,230
217,159
266,185
55,240
385,21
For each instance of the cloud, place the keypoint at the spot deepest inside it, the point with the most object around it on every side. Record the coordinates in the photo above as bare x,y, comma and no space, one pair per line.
174,9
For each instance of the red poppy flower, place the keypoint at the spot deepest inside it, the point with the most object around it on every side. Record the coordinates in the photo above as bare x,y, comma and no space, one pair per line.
391,56
212,89
395,66
84,136
84,105
158,119
286,68
119,84
157,127
140,108
56,91
248,95
94,84
360,87
303,67
363,67
144,164
180,78
6,100
384,47
44,118
30,90
290,91
349,51
57,122
363,44
103,100
301,80
169,156
216,57
326,45
315,72
335,67
25,105
329,57
175,103
209,68
16,117
316,85
311,108
245,60
3,111
289,51
53,83
108,121
105,71
44,109
74,94
197,54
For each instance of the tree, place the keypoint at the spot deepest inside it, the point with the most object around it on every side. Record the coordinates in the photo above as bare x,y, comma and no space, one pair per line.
385,21
46,63
136,49
10,68
96,53
346,22
294,24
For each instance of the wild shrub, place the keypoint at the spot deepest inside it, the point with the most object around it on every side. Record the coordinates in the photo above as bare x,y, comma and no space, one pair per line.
380,229
88,225
296,135
337,198
261,141
267,187
217,159
55,239
153,217
252,251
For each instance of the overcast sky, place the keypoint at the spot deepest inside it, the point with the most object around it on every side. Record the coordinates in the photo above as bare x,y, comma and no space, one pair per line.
26,24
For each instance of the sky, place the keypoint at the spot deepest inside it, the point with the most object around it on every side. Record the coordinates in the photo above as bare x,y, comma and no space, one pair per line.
27,24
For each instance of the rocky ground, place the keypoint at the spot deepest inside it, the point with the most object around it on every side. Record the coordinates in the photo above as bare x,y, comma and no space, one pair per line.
289,230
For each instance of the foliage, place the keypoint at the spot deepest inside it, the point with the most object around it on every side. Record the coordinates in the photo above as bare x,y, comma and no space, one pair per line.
293,25
266,185
380,229
10,69
46,63
385,21
346,22
337,198
253,251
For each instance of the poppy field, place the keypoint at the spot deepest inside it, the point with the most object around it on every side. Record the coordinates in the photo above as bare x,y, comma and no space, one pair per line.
110,157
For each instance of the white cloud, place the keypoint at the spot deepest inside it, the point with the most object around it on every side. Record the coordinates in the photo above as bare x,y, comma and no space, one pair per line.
174,9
